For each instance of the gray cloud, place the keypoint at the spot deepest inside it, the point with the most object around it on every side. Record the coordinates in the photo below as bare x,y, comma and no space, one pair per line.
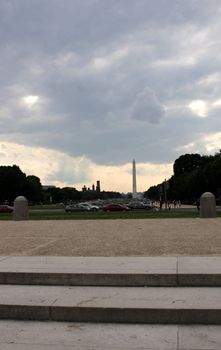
68,172
147,107
114,78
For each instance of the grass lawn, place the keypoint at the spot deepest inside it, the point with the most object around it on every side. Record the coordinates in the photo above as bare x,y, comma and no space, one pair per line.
47,214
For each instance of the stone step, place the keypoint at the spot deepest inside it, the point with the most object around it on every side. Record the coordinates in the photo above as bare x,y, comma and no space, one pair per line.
111,271
164,305
28,335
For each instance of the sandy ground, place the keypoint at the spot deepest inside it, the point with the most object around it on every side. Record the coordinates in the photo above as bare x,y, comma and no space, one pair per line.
111,237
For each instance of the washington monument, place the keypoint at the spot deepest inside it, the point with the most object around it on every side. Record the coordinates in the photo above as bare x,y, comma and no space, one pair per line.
134,194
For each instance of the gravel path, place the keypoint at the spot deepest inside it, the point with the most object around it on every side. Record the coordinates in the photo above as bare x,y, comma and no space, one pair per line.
111,237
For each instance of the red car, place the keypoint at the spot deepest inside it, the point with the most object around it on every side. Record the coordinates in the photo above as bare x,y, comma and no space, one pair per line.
6,208
115,207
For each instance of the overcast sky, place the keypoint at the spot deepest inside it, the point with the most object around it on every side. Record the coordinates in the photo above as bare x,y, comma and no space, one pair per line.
86,86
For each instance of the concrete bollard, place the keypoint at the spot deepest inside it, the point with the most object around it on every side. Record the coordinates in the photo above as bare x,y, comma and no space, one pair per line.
20,208
207,205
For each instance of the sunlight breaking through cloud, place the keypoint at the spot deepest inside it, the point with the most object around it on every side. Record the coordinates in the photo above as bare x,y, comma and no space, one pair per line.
199,107
30,100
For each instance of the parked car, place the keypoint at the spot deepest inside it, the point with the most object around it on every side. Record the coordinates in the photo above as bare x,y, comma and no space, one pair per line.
90,207
75,208
140,206
115,207
6,208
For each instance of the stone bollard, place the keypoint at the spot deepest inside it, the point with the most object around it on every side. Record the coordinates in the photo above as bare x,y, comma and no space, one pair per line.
207,205
20,208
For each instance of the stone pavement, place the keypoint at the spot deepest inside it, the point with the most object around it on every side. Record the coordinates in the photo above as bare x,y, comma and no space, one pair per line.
29,335
116,271
132,237
136,294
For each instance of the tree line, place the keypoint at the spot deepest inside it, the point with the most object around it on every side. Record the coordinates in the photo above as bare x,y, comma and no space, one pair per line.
14,182
67,194
193,174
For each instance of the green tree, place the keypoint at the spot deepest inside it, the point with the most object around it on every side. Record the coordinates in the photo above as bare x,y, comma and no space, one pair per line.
63,195
153,192
70,194
193,175
12,183
187,163
33,189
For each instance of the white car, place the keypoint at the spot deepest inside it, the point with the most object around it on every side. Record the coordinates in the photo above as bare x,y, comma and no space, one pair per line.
90,207
75,208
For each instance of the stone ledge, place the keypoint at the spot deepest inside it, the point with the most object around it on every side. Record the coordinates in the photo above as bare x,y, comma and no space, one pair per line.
164,305
111,271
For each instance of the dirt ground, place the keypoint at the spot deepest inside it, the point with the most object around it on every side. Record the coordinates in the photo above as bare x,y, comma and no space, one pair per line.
111,237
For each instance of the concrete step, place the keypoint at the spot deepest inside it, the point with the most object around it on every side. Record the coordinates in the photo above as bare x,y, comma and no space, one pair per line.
164,305
28,335
111,271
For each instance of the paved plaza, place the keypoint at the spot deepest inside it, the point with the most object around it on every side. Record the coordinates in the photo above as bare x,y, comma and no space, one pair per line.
29,335
111,284
139,237
40,291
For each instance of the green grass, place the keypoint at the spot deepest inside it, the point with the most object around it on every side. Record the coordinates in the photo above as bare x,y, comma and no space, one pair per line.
46,206
105,216
50,215
6,216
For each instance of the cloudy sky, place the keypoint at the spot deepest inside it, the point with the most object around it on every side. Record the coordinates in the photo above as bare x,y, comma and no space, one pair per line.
86,86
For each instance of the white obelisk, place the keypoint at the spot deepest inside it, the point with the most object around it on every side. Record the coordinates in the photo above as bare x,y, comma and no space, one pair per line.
134,195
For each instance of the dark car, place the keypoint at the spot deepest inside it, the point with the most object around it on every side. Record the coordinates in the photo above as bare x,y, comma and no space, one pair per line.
115,207
6,208
139,206
75,208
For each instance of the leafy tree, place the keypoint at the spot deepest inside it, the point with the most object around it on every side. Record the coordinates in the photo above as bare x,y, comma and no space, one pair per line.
193,175
89,195
110,195
70,194
33,188
12,183
63,195
153,192
187,163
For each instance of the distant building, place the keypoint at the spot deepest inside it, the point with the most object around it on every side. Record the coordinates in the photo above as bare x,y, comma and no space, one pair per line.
98,187
47,187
